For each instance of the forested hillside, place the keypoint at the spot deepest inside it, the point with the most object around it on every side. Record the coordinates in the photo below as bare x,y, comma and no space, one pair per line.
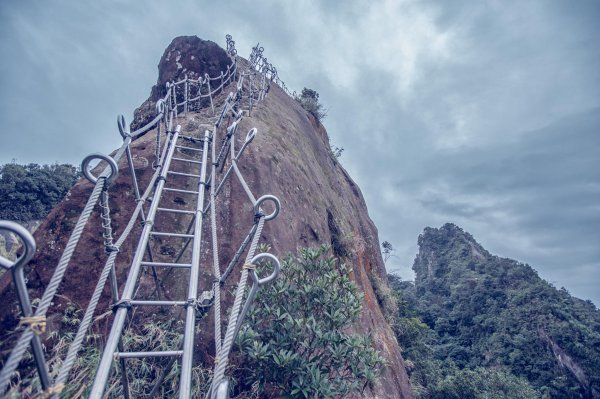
29,192
475,325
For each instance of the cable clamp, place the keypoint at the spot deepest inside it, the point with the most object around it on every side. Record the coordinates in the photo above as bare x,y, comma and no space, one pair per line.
193,302
36,323
111,248
146,222
258,215
218,281
123,303
249,266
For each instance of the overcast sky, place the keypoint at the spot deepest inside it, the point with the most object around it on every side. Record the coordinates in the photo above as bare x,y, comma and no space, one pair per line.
481,113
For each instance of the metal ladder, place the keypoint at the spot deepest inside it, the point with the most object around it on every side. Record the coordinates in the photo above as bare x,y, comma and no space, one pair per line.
113,348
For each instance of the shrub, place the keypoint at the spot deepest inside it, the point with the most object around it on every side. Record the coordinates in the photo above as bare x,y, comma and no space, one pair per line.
335,152
309,100
296,342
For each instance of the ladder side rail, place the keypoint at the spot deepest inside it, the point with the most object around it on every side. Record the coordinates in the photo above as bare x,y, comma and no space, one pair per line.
188,338
114,337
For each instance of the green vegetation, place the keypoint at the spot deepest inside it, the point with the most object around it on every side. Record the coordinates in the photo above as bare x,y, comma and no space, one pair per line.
488,383
309,100
147,377
296,341
473,320
336,152
387,250
29,192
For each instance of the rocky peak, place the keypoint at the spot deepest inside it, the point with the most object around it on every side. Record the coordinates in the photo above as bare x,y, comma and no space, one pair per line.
497,312
437,246
186,55
191,56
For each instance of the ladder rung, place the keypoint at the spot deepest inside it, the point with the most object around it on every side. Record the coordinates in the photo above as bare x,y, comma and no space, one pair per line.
176,210
157,303
133,355
178,190
184,174
186,160
162,233
166,264
192,139
188,148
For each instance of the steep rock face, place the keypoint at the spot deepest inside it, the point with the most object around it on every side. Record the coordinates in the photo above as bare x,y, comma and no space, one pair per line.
289,158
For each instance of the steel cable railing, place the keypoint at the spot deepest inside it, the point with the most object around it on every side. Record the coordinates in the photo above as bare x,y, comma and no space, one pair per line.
252,85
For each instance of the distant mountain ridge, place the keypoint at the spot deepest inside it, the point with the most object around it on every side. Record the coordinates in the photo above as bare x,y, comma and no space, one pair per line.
492,312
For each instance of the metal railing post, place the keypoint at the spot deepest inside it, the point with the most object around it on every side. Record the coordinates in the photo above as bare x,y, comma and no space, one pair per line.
210,92
185,95
18,277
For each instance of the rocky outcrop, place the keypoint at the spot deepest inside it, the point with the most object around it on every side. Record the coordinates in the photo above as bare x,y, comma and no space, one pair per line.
290,158
567,361
186,55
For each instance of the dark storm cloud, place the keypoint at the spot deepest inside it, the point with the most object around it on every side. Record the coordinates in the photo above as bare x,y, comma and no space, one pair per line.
479,113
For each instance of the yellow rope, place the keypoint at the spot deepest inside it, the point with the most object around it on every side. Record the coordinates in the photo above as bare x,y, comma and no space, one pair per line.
36,323
55,390
249,266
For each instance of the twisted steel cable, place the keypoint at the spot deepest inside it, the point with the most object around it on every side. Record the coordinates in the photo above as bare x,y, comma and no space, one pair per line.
19,349
108,266
223,355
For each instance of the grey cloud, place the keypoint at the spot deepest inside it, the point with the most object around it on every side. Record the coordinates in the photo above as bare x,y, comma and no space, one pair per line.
436,104
543,189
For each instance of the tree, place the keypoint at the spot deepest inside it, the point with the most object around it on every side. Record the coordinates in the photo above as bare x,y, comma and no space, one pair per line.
296,342
482,383
29,192
388,250
309,100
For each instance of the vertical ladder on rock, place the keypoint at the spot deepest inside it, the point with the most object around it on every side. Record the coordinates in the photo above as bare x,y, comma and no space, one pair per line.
113,349
168,159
